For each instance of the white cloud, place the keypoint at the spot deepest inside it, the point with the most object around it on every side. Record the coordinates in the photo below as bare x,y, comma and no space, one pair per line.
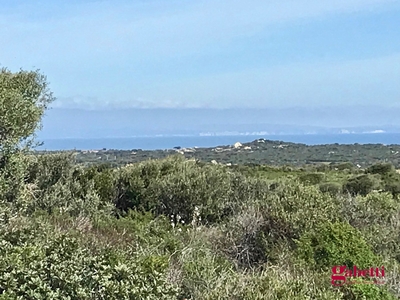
92,103
375,131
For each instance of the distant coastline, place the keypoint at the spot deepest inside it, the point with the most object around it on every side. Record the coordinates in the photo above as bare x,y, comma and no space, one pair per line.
170,141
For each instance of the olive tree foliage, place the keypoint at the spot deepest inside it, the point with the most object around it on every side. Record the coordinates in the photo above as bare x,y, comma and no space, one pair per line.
24,98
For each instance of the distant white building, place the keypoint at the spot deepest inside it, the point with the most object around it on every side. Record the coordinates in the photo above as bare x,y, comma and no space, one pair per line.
237,145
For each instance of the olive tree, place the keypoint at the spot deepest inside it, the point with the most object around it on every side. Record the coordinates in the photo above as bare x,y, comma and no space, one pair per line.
24,97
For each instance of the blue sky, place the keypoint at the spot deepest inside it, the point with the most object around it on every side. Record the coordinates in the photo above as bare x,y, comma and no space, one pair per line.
204,53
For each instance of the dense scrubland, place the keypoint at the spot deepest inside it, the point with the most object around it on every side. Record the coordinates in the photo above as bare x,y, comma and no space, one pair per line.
178,228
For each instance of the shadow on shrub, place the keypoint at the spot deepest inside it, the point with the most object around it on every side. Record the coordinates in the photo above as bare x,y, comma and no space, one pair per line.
312,178
333,188
361,185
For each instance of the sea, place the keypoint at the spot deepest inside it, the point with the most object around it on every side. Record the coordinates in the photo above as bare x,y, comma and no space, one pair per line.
169,142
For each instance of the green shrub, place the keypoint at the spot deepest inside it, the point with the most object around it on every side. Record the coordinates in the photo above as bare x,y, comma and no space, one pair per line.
381,168
370,291
175,186
335,244
299,206
57,185
344,166
60,268
244,238
333,188
376,216
362,184
262,228
13,170
101,178
312,178
393,188
391,183
46,170
203,272
322,168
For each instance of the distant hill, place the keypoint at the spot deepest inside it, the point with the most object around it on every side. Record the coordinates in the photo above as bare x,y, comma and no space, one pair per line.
259,151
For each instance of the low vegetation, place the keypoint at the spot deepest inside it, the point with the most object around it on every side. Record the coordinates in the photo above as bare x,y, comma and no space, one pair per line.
179,228
182,229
